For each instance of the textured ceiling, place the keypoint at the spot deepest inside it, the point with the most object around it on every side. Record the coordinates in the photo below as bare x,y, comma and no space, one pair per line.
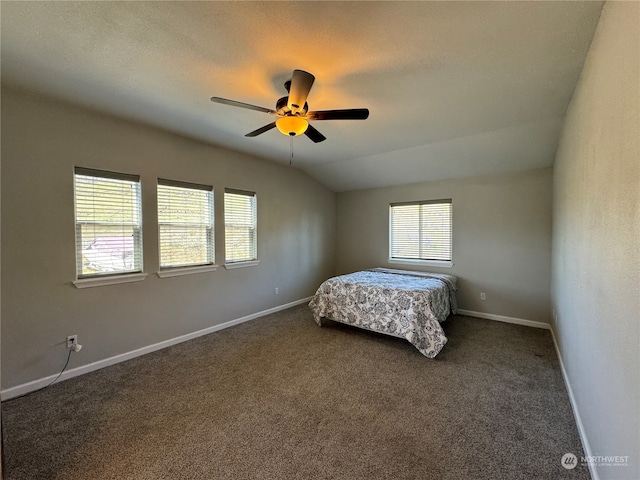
454,88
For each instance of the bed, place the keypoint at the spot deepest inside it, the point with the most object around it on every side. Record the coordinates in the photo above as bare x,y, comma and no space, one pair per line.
401,303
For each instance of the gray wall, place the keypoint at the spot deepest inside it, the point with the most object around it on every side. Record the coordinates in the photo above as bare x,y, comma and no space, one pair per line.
41,143
501,238
596,241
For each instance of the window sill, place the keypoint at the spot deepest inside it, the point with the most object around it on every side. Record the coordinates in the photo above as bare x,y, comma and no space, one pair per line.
231,266
178,271
113,280
426,263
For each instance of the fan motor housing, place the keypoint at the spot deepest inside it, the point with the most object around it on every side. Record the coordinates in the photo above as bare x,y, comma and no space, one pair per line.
281,106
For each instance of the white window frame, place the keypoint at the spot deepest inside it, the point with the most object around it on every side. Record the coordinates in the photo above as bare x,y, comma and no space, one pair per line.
84,280
422,259
251,260
207,222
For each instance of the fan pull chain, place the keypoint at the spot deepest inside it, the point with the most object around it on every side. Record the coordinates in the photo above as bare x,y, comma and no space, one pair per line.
291,149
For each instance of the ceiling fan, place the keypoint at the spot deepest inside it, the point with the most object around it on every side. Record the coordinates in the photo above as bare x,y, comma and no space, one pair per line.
293,110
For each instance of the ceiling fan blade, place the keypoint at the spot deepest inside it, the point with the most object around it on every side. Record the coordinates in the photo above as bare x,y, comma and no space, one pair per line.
261,130
248,106
314,135
301,83
349,114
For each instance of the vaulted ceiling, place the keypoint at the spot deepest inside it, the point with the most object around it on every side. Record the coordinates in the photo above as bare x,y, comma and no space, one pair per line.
454,88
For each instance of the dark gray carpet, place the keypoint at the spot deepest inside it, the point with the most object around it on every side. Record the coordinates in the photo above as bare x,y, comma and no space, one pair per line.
281,398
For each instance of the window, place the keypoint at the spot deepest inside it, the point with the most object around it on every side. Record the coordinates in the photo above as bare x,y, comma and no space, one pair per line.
240,220
108,223
185,224
421,232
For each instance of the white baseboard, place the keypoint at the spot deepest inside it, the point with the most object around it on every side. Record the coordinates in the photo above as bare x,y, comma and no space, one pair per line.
34,385
576,415
501,318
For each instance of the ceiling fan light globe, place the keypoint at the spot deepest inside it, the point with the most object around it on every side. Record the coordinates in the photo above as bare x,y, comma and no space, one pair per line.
292,125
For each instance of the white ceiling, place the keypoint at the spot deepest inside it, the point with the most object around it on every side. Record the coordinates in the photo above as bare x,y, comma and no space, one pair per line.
454,88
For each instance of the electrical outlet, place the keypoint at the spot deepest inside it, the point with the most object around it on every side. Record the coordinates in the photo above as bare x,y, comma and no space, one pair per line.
72,340
277,291
483,296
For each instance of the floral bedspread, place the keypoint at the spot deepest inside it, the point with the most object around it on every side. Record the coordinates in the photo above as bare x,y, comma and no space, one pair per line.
404,304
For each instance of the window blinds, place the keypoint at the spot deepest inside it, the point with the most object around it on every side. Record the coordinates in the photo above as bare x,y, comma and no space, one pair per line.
421,230
108,223
240,219
185,224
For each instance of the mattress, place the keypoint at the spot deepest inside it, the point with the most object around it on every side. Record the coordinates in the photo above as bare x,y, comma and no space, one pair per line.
405,304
